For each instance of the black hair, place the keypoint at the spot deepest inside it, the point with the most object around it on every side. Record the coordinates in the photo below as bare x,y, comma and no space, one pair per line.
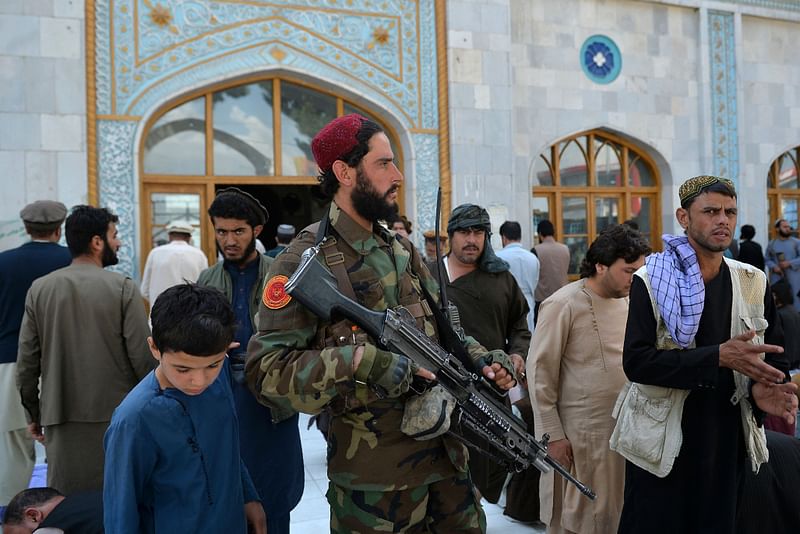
632,223
511,230
613,243
783,293
545,228
718,187
327,179
230,204
15,511
197,320
747,232
778,223
83,223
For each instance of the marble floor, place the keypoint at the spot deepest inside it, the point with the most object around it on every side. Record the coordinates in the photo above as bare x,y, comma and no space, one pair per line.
311,514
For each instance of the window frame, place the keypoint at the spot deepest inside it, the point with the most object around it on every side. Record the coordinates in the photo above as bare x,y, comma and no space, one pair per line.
555,194
208,181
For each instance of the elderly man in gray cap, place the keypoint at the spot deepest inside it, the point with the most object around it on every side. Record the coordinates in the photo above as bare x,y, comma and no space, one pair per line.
175,263
19,267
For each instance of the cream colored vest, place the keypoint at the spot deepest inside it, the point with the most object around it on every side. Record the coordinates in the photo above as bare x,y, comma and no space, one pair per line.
648,429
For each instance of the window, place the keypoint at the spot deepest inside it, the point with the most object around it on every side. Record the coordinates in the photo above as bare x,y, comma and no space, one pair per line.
590,181
254,135
783,189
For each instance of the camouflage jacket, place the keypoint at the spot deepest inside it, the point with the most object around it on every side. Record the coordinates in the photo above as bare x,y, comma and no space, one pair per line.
298,362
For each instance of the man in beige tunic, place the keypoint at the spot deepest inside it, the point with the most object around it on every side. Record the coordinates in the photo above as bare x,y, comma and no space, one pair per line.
84,333
574,376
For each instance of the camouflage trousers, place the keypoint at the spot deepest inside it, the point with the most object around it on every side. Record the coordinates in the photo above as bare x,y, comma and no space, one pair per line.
446,506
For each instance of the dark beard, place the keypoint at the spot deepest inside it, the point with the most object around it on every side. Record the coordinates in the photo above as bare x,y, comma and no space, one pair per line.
243,260
109,257
787,234
369,203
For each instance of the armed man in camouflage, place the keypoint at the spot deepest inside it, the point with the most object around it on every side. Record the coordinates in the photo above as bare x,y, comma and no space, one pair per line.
380,479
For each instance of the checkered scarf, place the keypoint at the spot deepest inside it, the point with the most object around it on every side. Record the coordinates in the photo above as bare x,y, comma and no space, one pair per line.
678,287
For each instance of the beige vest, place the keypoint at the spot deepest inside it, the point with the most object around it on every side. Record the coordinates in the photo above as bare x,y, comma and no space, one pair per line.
648,429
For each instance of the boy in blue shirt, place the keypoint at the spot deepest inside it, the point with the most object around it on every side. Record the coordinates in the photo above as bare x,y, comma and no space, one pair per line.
172,449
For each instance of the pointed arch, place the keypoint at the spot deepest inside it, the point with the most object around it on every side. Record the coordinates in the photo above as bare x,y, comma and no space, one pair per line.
592,179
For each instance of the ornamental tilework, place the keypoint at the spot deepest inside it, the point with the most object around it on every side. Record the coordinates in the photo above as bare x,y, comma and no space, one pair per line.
426,172
147,52
724,123
386,49
790,5
118,186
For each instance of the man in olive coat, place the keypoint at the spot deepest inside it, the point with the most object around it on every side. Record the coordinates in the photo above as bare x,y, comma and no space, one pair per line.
84,334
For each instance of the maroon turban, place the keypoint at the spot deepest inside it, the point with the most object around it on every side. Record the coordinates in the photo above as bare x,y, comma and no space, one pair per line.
336,139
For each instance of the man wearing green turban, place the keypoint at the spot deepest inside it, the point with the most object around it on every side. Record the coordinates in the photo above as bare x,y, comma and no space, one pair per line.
492,308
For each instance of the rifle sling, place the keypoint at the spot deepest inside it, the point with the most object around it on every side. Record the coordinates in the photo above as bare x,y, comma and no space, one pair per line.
334,258
447,336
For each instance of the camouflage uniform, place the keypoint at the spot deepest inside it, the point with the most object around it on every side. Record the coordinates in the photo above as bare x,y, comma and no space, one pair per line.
381,480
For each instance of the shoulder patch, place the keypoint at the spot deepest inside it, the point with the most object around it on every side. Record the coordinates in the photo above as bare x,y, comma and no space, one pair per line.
275,296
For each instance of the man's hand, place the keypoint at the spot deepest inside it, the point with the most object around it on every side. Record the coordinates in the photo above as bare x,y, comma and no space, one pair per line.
784,265
499,375
519,366
256,517
561,451
497,370
777,399
358,355
777,270
741,355
35,431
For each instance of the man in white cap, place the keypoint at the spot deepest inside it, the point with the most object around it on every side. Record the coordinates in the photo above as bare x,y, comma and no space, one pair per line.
175,263
283,236
19,267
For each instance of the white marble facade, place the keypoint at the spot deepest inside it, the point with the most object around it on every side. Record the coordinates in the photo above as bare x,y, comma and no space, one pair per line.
515,87
42,108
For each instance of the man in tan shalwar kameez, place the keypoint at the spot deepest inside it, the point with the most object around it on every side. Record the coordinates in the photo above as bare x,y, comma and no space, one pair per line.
574,375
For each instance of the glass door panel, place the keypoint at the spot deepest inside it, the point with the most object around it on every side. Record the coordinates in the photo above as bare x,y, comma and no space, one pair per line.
608,171
573,165
789,210
176,143
541,173
541,210
303,113
641,210
164,203
576,230
243,136
606,213
787,175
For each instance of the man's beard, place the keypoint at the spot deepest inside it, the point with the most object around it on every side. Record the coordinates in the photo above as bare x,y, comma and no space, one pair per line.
784,233
109,257
248,251
369,203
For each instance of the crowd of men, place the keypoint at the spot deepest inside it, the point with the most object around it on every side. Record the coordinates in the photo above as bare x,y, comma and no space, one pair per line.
189,423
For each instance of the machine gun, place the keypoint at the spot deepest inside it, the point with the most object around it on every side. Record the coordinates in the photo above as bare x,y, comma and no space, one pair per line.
477,406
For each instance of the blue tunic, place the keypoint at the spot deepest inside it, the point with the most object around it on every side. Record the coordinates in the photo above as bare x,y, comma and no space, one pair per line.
173,464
